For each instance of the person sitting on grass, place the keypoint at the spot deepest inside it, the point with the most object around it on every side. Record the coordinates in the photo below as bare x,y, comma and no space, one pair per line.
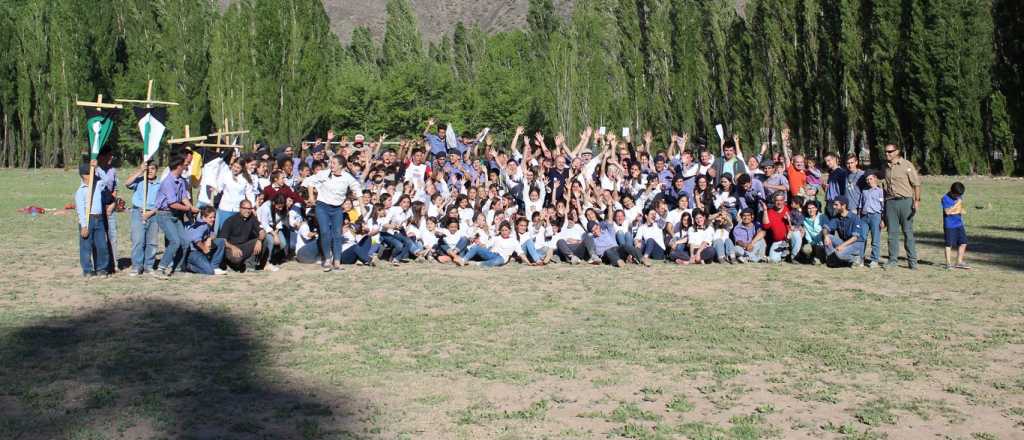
205,252
953,226
843,236
813,249
748,238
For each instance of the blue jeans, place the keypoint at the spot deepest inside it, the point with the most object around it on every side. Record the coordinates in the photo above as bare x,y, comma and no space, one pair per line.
848,254
204,264
488,258
112,239
177,244
653,250
330,218
94,249
143,236
359,251
222,216
460,247
399,243
268,243
755,255
724,248
874,223
781,249
531,251
308,254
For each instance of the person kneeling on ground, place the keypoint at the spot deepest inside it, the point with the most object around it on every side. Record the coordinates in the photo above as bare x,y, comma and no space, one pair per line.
843,236
243,239
205,252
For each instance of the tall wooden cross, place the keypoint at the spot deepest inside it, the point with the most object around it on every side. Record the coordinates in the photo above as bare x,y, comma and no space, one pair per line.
149,102
223,138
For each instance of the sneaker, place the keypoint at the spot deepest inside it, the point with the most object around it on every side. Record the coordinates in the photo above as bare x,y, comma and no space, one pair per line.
962,266
857,263
575,260
327,267
272,267
394,262
947,266
891,264
133,273
219,271
741,259
912,265
872,264
594,261
160,274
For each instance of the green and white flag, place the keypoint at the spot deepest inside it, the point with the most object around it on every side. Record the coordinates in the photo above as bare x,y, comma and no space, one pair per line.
152,125
99,123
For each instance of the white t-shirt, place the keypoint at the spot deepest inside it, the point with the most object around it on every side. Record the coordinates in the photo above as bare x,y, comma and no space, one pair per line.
701,237
651,231
234,189
332,189
506,247
416,174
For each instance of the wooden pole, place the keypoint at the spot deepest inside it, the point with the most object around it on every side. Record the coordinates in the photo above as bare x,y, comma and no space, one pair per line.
145,166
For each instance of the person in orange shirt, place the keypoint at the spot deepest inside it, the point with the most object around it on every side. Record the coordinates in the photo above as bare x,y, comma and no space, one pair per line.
796,171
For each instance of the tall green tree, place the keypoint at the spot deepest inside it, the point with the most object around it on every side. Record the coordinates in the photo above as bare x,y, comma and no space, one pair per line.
402,40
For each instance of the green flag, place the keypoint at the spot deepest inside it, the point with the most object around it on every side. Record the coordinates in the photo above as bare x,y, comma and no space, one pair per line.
99,123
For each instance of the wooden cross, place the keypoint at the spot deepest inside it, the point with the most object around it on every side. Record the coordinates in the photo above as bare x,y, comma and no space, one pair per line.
222,138
149,102
188,139
99,104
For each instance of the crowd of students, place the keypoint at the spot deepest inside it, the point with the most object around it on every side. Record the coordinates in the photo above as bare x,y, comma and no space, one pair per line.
604,200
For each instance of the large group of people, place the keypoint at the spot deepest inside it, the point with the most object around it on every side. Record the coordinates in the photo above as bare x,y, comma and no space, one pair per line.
464,201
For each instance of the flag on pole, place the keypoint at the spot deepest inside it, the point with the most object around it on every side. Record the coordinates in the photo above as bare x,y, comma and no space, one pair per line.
450,139
152,125
99,123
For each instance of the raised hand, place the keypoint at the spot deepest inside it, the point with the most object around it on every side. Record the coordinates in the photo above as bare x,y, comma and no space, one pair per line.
431,122
559,140
520,130
539,137
648,137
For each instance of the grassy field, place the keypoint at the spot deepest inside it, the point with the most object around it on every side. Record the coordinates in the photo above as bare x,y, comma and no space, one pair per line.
424,351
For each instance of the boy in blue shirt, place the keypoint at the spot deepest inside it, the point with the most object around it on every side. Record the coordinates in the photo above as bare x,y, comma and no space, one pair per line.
93,249
953,225
870,207
144,228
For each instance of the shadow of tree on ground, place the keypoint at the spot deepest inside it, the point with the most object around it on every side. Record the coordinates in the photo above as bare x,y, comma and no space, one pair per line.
154,369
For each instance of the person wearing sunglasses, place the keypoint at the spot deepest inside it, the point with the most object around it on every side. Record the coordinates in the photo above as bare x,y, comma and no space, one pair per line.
902,200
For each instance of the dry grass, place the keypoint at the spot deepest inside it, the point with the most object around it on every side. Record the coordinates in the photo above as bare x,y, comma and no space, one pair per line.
425,351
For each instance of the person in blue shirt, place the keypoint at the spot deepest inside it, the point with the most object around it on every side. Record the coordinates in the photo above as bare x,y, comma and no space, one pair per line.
173,203
93,248
843,235
205,252
437,143
953,226
836,185
871,205
144,228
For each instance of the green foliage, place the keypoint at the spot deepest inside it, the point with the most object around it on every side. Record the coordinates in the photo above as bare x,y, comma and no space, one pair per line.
940,77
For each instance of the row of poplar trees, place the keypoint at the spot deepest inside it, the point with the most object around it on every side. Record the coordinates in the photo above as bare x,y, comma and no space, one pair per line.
943,78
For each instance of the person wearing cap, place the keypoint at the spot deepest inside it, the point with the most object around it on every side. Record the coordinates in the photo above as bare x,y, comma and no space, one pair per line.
144,228
902,200
173,203
93,248
843,235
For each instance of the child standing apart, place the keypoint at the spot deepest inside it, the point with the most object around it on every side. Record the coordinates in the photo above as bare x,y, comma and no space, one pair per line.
872,200
953,225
